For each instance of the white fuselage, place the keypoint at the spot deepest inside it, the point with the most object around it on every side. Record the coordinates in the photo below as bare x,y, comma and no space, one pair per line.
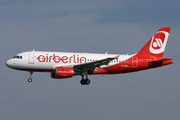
48,61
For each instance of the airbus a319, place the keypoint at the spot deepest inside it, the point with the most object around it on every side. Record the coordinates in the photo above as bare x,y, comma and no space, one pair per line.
66,65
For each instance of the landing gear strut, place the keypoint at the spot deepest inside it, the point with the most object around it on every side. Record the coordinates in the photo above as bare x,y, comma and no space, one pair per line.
30,79
85,81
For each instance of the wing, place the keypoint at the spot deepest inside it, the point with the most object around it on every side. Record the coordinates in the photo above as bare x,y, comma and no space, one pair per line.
91,66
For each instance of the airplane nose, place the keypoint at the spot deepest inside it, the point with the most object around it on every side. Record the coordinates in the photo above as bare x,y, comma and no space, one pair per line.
14,64
9,63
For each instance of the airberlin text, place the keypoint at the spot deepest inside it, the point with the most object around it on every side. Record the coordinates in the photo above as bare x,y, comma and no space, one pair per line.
65,59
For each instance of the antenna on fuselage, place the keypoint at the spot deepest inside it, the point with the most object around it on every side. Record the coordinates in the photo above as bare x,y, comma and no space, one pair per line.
106,52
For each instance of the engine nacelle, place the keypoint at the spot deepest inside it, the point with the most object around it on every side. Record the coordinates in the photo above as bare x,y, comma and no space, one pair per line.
62,72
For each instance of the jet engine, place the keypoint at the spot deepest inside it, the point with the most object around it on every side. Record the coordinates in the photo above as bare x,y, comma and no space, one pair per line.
62,72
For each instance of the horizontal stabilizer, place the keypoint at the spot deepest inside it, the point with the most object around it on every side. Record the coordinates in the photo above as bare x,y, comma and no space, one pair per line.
156,61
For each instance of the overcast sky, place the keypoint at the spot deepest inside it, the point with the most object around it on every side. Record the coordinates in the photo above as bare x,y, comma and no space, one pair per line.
95,26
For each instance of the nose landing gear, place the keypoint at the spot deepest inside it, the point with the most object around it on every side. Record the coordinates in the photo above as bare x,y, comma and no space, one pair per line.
30,79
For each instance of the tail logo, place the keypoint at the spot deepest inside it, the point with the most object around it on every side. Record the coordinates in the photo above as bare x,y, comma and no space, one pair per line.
158,42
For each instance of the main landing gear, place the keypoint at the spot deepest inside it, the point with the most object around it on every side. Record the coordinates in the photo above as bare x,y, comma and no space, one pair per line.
85,81
30,79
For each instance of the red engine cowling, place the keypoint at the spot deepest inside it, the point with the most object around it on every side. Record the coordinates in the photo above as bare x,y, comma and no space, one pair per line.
62,72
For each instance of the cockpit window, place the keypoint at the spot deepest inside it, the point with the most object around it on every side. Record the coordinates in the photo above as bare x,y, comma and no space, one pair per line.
18,57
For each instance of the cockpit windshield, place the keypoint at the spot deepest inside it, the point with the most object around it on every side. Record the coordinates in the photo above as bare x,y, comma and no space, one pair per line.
18,57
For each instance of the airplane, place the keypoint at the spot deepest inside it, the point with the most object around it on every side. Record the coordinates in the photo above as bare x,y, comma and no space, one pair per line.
67,64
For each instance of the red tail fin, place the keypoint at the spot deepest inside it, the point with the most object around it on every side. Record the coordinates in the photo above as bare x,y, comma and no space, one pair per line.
156,45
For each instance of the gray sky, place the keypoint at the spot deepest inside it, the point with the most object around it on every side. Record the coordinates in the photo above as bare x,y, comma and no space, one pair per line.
95,26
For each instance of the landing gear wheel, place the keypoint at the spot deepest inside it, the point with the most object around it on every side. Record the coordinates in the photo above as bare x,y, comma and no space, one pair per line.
30,80
88,81
83,82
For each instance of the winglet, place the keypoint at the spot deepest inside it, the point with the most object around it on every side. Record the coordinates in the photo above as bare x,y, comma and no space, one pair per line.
116,57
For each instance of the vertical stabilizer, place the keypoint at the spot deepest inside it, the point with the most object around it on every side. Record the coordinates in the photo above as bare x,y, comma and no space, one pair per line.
156,45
